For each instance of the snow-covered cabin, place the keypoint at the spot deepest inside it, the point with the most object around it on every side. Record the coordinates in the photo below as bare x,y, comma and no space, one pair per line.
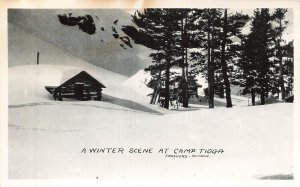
81,86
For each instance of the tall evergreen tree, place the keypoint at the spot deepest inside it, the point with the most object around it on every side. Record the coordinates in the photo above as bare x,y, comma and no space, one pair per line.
257,54
223,60
184,23
288,66
281,24
217,30
156,73
162,26
231,28
208,38
247,78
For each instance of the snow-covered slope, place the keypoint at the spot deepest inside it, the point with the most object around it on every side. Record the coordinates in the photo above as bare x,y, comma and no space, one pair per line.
100,49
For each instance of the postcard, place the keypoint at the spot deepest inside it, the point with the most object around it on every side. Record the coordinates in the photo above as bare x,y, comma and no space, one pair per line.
175,94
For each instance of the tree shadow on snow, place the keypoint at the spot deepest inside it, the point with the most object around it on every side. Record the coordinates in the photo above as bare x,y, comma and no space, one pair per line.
127,104
201,100
278,177
189,108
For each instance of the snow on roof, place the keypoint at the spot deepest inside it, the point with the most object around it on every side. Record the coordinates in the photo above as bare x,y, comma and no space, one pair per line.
68,74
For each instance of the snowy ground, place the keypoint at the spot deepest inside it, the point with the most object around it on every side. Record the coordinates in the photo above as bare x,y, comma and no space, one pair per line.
46,137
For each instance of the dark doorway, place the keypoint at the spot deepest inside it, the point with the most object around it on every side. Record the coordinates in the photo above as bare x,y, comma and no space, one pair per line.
79,87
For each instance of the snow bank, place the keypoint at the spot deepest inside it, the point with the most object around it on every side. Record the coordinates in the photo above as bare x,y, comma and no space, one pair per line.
26,83
27,87
138,82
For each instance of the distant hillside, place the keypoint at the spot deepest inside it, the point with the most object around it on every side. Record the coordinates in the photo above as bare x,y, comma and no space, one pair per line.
101,49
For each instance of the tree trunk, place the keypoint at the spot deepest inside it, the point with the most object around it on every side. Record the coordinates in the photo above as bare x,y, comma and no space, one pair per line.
167,82
224,64
281,80
212,78
262,93
167,86
267,90
222,91
210,68
253,96
184,75
186,98
153,95
264,84
155,91
262,98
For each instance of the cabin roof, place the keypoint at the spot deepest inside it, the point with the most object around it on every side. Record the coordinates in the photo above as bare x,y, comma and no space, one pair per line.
81,74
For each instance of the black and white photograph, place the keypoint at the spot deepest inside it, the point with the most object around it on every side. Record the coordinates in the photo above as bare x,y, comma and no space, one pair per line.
151,93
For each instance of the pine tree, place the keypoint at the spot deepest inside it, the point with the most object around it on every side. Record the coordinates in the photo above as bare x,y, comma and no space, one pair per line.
156,72
181,36
231,28
247,78
208,48
223,60
281,24
161,25
257,53
184,22
288,66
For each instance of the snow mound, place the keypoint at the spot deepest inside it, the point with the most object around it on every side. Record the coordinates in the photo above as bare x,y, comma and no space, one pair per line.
26,83
138,82
203,82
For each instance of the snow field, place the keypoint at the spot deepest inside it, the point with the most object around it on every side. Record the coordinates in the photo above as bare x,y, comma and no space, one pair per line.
53,136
